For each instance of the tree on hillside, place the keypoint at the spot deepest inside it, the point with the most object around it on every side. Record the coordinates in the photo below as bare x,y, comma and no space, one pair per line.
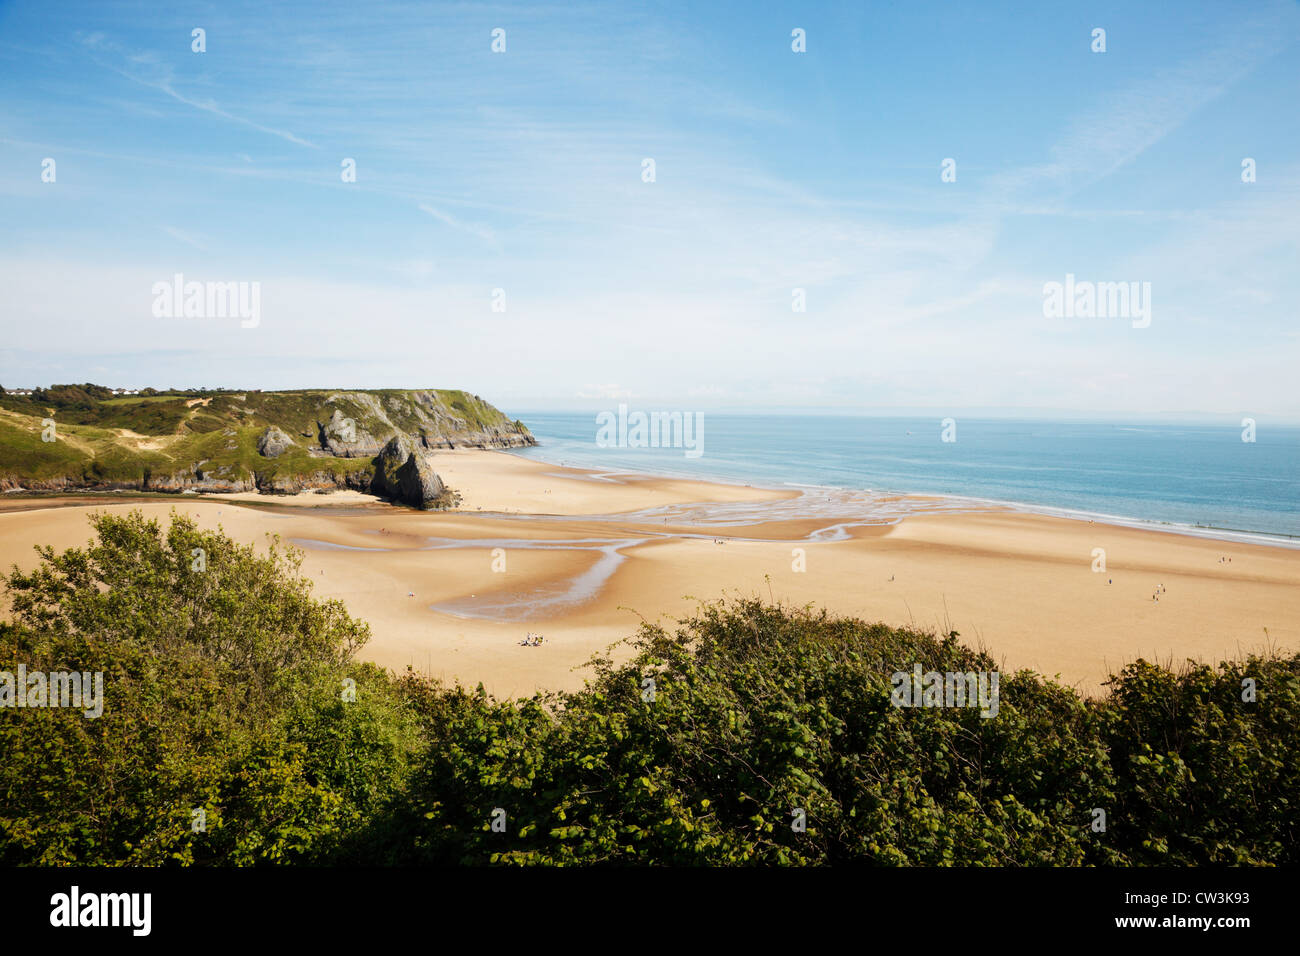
223,693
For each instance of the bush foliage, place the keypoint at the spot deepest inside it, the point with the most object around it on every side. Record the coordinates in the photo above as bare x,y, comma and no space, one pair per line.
225,691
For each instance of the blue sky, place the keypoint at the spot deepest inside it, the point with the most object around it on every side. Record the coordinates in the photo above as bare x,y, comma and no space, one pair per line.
775,170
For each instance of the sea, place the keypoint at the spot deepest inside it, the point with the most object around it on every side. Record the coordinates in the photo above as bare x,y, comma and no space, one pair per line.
1192,478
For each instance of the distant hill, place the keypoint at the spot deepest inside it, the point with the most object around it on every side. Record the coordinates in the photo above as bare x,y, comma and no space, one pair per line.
226,441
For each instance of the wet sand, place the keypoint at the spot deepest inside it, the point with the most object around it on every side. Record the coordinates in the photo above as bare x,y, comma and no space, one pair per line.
583,557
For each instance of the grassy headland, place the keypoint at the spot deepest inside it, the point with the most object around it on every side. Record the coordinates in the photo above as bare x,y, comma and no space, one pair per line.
84,437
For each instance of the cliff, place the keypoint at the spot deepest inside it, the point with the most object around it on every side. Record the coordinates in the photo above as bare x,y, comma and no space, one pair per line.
269,442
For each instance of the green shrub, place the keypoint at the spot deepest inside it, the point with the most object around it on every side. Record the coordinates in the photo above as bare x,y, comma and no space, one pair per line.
224,690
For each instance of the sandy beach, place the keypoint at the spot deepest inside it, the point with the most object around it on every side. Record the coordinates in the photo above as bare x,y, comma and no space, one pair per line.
582,557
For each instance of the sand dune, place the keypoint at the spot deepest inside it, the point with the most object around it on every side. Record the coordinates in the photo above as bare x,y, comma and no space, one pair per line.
582,558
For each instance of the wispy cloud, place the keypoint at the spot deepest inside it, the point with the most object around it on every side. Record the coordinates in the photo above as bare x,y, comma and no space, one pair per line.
1125,123
481,231
165,83
188,238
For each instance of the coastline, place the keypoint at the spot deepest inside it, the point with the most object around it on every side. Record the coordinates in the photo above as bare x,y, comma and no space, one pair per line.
1244,536
585,557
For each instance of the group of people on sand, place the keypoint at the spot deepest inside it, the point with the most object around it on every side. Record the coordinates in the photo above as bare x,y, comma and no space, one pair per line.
1155,595
1225,560
532,640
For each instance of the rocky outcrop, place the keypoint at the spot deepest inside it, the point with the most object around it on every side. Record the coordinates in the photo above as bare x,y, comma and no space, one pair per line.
494,437
315,481
342,437
273,442
404,474
198,480
421,416
63,483
172,483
